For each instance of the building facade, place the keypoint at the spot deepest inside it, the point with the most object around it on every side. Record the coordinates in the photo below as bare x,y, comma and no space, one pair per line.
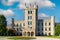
31,26
46,26
30,20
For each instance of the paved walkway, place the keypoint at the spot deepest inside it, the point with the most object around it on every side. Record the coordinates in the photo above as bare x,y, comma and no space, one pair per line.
4,38
46,38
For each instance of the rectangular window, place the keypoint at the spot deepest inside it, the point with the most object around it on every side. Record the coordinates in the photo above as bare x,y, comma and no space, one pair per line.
29,12
42,29
45,24
29,17
20,25
20,29
17,29
17,25
45,33
49,23
23,24
29,22
38,24
45,29
49,29
42,24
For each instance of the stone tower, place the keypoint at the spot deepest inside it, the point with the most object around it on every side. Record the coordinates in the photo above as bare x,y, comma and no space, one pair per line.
30,20
12,24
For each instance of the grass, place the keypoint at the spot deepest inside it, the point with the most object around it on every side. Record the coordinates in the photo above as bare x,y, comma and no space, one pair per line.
26,38
54,36
19,37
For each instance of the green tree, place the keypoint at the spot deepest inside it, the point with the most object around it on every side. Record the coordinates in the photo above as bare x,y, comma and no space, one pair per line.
57,30
3,25
11,32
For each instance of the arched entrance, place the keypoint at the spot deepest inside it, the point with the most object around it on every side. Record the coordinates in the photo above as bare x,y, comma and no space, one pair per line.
28,33
24,33
32,33
49,34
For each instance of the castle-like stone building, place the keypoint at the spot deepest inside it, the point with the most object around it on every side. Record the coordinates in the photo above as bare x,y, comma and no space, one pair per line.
31,26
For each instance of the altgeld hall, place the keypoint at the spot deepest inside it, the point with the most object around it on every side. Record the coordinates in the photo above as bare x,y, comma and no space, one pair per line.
32,26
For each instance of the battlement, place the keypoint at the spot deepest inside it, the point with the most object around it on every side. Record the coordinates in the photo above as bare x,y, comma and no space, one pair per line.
30,6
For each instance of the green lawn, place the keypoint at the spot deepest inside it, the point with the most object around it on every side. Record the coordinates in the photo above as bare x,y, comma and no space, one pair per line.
19,37
54,36
26,38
